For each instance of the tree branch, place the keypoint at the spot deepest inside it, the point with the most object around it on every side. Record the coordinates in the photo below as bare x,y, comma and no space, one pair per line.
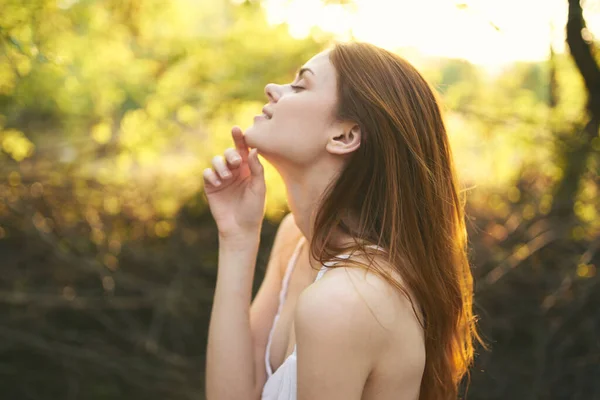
581,52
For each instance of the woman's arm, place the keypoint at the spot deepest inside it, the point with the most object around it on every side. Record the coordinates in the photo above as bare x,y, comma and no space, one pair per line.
238,332
344,324
336,336
230,354
235,189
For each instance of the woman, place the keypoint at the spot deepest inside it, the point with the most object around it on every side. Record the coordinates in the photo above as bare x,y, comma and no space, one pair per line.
359,141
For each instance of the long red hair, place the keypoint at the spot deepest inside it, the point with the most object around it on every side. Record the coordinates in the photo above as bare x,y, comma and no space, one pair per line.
399,190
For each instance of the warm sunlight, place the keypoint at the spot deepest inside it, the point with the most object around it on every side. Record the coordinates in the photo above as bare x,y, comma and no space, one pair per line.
154,184
484,32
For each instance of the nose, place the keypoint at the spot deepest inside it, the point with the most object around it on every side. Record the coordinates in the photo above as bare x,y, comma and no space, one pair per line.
273,92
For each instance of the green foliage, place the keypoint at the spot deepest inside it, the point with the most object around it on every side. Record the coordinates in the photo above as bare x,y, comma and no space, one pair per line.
128,92
119,90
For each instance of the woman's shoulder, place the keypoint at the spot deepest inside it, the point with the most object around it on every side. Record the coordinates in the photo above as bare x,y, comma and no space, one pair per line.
368,300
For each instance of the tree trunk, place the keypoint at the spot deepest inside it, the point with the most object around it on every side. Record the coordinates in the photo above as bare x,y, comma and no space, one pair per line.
578,147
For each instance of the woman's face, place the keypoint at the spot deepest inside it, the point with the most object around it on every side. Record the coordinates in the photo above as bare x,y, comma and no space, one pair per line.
299,126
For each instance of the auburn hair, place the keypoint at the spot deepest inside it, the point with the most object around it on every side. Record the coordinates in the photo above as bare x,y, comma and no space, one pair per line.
399,190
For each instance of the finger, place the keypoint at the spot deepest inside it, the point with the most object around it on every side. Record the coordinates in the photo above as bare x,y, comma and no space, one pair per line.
233,158
239,141
211,177
256,167
219,166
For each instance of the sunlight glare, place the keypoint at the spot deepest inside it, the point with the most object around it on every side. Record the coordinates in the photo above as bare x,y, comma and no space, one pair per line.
484,32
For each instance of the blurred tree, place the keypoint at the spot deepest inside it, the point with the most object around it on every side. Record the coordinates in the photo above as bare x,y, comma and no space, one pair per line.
577,148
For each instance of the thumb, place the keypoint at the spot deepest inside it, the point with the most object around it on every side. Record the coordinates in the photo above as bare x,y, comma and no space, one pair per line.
256,168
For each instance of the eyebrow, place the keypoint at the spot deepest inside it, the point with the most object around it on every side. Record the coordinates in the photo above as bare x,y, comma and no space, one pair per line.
303,70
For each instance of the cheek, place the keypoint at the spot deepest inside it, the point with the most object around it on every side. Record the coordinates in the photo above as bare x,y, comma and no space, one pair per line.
310,114
300,129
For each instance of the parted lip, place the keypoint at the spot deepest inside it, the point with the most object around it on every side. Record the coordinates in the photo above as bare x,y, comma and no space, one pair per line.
267,112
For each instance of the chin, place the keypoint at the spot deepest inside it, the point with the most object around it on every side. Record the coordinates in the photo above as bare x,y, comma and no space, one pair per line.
249,136
252,136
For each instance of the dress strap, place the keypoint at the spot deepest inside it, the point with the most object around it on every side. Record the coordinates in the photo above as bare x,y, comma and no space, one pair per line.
328,264
282,293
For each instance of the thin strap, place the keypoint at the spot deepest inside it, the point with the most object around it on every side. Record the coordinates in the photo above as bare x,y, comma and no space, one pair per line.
282,294
328,264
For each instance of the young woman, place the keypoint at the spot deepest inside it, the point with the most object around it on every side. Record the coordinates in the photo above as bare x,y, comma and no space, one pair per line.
368,290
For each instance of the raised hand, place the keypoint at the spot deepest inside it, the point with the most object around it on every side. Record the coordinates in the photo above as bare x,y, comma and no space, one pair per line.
235,189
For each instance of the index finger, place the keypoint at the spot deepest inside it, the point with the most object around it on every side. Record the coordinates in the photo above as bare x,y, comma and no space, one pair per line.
239,141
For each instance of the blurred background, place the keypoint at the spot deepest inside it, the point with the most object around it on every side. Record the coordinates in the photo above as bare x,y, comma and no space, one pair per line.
111,109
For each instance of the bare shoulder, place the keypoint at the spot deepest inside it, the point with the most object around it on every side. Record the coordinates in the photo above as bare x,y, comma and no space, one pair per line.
364,303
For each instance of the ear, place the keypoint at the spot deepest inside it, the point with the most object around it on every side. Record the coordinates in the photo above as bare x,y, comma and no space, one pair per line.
346,141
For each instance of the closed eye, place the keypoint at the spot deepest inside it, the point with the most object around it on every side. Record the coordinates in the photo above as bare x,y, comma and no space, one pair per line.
296,88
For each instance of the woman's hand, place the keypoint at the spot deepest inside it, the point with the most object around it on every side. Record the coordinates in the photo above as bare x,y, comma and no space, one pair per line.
235,189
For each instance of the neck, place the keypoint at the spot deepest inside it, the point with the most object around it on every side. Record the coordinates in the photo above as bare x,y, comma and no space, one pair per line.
305,189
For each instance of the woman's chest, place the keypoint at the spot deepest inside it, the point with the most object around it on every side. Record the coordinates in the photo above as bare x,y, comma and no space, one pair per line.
284,339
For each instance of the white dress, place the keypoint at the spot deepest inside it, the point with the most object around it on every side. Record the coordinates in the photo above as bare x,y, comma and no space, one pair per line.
282,384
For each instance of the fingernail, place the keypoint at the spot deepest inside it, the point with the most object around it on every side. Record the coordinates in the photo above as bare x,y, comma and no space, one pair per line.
235,159
217,182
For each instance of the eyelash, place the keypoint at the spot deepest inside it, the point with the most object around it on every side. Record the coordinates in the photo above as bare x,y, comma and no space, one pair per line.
296,87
